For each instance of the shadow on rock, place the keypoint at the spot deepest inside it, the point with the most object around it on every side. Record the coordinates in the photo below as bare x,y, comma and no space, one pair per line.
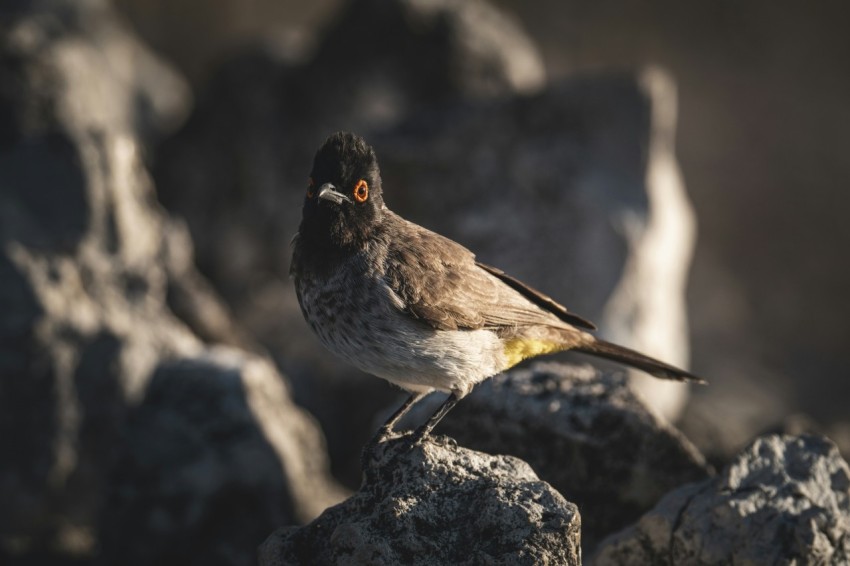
213,459
98,293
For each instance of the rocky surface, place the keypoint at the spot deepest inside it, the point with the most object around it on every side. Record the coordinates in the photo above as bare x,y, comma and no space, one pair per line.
783,500
83,287
381,61
582,430
213,459
438,504
92,272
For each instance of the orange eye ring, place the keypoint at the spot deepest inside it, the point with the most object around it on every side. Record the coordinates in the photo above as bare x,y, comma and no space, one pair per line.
311,184
361,191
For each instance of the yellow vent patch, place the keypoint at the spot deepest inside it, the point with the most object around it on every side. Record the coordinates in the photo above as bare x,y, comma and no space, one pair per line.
519,349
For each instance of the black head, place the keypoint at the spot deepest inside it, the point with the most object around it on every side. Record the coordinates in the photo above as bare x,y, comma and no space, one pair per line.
343,204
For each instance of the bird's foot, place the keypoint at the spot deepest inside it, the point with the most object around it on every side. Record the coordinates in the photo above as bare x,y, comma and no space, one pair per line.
386,446
374,449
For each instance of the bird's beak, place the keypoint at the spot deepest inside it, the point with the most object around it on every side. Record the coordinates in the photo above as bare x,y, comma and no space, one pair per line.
329,192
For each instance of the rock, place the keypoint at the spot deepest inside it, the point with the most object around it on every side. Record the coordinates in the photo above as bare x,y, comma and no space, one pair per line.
192,298
438,504
83,285
784,500
381,61
213,459
583,431
90,269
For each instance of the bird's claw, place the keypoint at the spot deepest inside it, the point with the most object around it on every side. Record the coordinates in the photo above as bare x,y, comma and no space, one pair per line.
386,446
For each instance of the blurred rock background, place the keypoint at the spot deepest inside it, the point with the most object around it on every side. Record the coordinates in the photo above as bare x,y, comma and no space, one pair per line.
761,137
153,156
136,423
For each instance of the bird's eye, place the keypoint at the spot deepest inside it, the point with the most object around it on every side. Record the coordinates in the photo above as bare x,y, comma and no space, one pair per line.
311,185
361,191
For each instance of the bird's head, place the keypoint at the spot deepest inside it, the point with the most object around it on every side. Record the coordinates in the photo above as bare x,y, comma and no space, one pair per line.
343,203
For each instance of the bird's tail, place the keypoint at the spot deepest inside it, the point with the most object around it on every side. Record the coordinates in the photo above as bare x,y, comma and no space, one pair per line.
619,354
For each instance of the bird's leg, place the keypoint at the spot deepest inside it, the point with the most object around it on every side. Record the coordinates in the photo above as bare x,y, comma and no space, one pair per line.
429,425
387,427
369,451
408,442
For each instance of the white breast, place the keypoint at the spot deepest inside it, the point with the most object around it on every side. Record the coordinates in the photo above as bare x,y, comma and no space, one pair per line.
362,322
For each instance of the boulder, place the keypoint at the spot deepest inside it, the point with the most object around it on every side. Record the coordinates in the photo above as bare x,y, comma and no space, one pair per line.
582,430
783,500
437,504
214,458
98,293
379,62
83,281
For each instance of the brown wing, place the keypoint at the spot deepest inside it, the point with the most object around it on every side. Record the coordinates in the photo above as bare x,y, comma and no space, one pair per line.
543,301
439,283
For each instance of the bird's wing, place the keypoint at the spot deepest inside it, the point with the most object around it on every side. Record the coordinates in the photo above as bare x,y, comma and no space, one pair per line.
541,300
439,282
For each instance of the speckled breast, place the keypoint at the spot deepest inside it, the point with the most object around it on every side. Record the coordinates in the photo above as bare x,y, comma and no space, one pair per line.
361,320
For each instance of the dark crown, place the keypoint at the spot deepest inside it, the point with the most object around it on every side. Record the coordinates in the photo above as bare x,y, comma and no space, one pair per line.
346,158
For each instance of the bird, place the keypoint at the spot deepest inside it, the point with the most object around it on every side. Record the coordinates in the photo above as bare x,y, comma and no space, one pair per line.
416,308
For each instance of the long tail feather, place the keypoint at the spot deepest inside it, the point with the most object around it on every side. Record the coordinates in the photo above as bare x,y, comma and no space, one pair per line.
620,354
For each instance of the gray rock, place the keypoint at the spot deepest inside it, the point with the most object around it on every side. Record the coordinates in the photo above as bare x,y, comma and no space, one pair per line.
213,459
83,283
438,504
90,270
583,431
784,500
383,60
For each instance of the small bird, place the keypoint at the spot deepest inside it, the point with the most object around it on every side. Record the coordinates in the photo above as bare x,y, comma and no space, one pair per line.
414,307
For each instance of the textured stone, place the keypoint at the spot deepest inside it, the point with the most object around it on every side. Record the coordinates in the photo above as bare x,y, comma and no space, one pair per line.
415,54
438,504
583,431
213,459
783,500
92,272
83,285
